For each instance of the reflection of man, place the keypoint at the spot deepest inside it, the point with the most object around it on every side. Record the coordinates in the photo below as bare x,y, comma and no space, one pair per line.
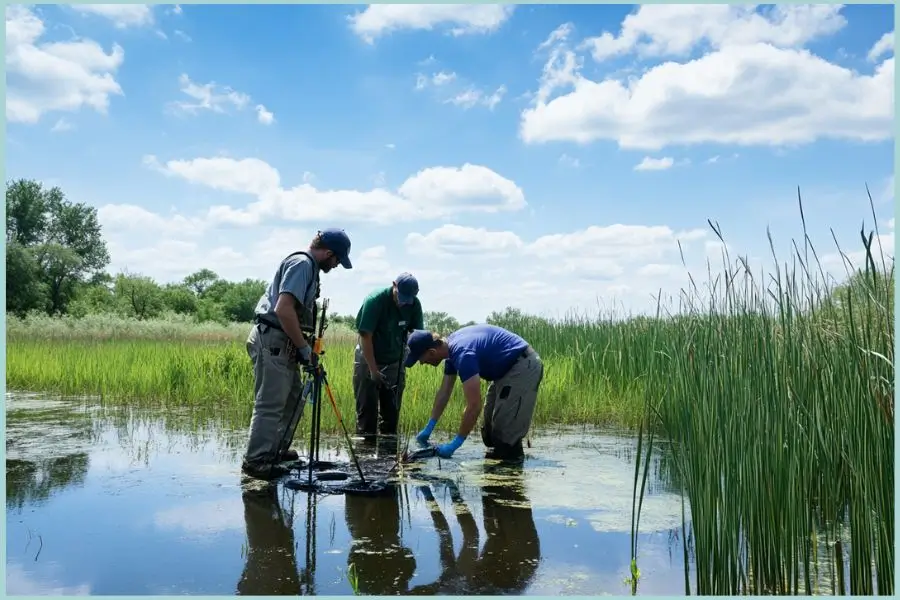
512,550
383,565
271,567
510,556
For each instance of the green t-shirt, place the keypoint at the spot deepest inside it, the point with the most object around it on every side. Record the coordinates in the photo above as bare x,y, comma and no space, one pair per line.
381,316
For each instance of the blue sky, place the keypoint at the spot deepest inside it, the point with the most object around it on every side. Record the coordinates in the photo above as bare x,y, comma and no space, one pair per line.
493,151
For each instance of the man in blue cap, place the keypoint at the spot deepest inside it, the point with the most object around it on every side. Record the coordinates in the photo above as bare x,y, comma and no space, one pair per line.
475,353
385,318
276,344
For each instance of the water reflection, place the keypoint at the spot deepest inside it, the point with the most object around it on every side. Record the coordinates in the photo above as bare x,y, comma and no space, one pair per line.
162,496
384,565
47,449
271,561
507,562
34,481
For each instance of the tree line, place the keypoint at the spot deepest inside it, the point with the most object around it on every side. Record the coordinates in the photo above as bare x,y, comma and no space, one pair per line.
57,259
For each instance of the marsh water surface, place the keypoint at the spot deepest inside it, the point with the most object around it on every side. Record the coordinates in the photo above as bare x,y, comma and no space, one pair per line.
106,500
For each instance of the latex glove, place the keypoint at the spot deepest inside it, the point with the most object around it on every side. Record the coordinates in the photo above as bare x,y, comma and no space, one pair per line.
447,450
303,354
422,437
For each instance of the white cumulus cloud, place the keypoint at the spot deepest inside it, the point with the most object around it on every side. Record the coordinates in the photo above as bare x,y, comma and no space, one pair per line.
450,88
884,45
677,29
431,193
454,240
264,116
756,86
208,96
596,252
655,164
54,76
122,15
379,19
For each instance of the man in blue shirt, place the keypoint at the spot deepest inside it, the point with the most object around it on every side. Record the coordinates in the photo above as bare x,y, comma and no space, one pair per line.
276,344
481,352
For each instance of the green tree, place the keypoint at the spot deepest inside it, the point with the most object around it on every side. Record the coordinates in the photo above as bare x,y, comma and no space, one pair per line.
93,298
210,310
239,300
201,280
440,322
63,239
26,211
138,296
24,289
179,298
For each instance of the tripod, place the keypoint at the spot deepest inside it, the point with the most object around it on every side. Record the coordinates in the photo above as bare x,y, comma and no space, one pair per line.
320,381
316,379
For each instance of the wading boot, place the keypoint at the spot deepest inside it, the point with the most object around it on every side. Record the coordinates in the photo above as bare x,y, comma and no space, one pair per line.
507,452
264,471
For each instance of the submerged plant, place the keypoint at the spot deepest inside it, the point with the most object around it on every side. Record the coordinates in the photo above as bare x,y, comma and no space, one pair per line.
353,578
637,499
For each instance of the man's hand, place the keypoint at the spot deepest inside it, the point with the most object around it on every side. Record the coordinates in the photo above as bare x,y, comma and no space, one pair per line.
303,354
447,450
423,436
377,377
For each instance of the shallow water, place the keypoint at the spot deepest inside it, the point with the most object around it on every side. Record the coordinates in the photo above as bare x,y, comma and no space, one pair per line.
113,501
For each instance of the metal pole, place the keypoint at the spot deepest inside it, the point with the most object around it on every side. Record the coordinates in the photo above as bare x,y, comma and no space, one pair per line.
313,434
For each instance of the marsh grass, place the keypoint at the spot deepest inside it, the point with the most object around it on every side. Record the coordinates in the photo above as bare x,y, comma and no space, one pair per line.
778,402
171,327
185,371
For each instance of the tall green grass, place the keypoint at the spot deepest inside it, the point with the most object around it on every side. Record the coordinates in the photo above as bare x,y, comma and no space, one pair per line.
777,397
165,364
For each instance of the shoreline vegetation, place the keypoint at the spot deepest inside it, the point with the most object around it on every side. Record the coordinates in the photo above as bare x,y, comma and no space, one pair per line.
773,391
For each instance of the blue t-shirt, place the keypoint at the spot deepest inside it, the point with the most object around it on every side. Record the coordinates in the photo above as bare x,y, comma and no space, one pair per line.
484,350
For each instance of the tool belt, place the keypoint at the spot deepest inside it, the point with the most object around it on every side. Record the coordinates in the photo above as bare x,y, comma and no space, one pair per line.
289,348
261,320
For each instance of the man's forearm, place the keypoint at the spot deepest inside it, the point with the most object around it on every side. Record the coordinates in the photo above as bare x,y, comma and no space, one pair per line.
368,350
291,325
440,403
469,418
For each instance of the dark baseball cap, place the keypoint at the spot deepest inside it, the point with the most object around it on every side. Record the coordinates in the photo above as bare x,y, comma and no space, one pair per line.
407,288
419,342
338,242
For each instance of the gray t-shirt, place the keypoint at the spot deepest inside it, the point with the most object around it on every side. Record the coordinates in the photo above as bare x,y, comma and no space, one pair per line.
297,275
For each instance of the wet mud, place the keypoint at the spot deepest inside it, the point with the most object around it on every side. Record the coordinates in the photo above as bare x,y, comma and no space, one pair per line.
114,501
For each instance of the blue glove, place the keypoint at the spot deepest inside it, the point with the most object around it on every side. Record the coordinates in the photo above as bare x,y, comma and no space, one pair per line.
447,450
423,436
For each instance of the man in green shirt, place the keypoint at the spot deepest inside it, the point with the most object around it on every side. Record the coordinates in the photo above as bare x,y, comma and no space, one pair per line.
385,318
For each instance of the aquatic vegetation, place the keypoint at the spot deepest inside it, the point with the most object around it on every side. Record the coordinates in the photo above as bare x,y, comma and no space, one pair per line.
181,371
778,403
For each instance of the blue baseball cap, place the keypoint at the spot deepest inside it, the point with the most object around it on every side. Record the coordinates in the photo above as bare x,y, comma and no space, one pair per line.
407,288
419,342
338,242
